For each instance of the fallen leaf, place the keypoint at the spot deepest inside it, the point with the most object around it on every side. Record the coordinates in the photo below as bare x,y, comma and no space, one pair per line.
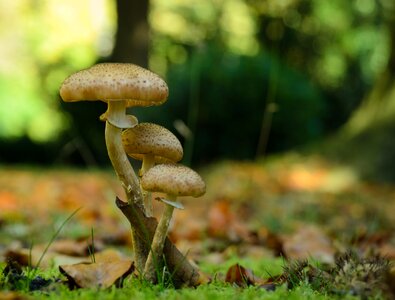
387,251
309,242
219,218
224,223
271,240
75,247
24,257
31,257
187,228
109,255
242,277
97,275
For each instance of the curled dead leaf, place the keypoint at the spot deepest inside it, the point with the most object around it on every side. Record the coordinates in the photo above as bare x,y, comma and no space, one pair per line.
24,257
97,275
242,277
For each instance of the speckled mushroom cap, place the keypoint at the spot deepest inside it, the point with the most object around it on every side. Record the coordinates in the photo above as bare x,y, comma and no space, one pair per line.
173,179
115,82
149,138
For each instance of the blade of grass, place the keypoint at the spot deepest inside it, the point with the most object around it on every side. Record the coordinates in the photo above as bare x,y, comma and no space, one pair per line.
55,235
91,248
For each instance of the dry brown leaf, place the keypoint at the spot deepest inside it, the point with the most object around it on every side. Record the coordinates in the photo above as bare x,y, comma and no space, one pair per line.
271,240
242,277
187,228
25,256
224,223
309,242
109,255
388,251
75,247
97,275
219,218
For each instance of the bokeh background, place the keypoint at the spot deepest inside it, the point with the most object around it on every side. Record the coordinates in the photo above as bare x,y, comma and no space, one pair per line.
247,78
286,108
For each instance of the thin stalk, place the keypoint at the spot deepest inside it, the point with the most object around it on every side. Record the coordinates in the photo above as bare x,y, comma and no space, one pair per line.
270,108
154,257
121,164
148,163
54,236
130,183
184,273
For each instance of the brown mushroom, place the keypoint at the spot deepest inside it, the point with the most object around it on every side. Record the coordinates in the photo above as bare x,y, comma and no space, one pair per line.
120,86
174,180
152,144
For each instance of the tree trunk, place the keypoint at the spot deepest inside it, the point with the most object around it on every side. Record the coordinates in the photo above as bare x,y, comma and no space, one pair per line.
367,141
132,37
379,105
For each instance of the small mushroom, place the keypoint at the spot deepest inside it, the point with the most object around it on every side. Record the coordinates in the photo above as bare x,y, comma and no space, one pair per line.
152,144
174,180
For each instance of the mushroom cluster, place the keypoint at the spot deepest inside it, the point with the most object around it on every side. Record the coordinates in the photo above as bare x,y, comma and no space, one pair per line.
123,85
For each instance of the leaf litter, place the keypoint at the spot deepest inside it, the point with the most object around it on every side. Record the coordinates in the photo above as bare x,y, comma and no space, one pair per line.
292,208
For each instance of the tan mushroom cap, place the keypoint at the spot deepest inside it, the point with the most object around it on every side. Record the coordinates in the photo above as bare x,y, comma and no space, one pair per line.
115,82
173,179
149,138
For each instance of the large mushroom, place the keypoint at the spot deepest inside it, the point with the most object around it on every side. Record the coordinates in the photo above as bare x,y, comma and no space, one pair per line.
152,144
120,85
174,180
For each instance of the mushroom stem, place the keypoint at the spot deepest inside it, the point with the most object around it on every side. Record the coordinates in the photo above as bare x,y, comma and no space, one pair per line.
154,258
130,183
148,163
116,115
121,164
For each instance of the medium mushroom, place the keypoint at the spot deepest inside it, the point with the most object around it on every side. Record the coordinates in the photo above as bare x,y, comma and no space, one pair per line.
120,85
152,144
174,180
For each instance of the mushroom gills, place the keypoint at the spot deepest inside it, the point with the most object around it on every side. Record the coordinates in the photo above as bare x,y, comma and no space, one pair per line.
116,116
172,203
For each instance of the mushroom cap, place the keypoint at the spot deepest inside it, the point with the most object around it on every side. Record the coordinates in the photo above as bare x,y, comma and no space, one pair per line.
173,179
115,82
149,138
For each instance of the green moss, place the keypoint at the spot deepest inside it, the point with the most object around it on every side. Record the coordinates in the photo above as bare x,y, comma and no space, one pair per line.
135,288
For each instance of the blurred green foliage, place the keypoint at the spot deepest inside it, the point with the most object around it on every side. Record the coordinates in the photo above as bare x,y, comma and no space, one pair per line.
42,42
239,72
226,109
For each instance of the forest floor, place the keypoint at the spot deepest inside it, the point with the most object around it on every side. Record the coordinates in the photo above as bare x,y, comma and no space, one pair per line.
256,220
